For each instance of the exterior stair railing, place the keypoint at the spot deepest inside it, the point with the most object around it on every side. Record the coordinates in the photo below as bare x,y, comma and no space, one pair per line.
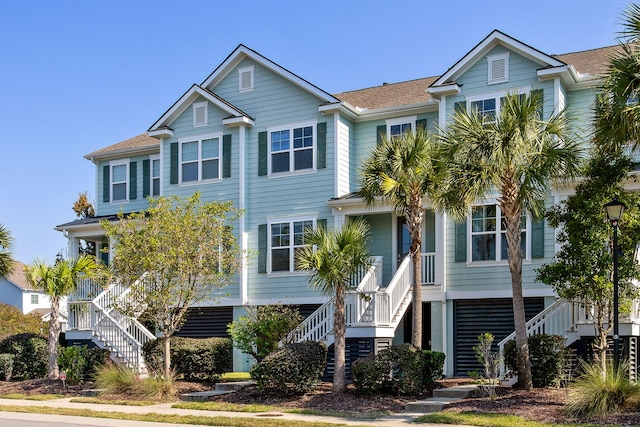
366,306
123,335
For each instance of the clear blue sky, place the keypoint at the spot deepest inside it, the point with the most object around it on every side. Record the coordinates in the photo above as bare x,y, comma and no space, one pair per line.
76,76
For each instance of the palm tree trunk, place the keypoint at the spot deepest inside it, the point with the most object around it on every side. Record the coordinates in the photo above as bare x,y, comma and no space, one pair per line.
54,335
512,218
339,344
414,222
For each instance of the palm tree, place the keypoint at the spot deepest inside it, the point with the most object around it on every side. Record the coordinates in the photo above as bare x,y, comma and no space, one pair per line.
618,109
334,257
402,172
517,154
58,281
6,244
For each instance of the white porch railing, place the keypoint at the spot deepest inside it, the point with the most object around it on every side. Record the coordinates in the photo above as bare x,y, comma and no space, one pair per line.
388,302
428,268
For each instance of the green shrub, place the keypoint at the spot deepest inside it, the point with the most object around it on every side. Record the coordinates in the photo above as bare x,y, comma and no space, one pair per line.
113,379
400,370
73,361
6,366
194,358
294,369
96,359
595,393
548,355
31,355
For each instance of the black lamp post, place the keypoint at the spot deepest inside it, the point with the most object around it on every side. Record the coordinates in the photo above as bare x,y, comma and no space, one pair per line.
614,214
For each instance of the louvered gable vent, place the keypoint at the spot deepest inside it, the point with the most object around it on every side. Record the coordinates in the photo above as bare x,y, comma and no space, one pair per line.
498,68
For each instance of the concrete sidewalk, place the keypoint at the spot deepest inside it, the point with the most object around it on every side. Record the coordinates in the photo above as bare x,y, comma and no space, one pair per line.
403,419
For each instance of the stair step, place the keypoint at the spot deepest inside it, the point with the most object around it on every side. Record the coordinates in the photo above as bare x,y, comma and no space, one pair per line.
430,405
93,392
202,396
233,386
459,392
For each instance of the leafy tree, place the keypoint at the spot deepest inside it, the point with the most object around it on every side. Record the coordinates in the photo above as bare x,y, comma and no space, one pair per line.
6,245
83,207
174,255
517,154
261,330
57,281
582,268
333,258
401,171
13,322
617,119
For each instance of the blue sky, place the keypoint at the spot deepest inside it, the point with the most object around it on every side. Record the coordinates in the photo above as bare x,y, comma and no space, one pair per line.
76,76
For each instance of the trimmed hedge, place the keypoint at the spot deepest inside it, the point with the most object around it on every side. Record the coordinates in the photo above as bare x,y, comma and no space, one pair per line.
81,363
294,369
31,355
203,359
400,370
548,354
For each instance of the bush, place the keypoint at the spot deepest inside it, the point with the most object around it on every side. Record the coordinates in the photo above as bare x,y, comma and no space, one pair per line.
73,361
260,331
595,393
31,355
6,366
294,369
120,380
96,359
548,355
202,359
400,370
14,322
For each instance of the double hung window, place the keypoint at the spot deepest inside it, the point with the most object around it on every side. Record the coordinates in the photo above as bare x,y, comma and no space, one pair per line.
400,126
119,180
285,240
155,177
488,234
291,149
200,158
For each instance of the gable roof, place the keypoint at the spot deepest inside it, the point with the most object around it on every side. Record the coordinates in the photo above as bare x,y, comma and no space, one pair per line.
137,144
241,52
594,62
18,277
194,92
389,94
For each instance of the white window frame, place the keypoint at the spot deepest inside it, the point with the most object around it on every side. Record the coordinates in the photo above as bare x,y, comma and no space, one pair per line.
112,165
291,221
291,127
497,96
35,297
205,106
493,59
411,120
152,178
199,139
498,232
241,72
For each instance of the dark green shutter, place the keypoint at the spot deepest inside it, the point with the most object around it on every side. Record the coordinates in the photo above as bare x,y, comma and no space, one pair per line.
262,153
459,106
321,223
461,242
381,133
173,168
537,238
421,124
262,248
106,193
540,93
226,156
322,145
146,178
133,180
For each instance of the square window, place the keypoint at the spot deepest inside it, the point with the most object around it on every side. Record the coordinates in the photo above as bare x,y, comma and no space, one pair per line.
287,239
200,159
34,299
488,239
291,149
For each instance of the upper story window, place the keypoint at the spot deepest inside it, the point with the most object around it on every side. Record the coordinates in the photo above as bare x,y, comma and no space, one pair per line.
200,113
291,148
498,70
489,104
34,299
155,176
199,158
286,238
400,126
488,239
245,79
119,180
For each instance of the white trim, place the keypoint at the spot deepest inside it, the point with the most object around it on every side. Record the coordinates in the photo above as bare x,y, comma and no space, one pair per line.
400,121
290,127
112,164
241,72
243,234
288,301
199,139
153,158
205,113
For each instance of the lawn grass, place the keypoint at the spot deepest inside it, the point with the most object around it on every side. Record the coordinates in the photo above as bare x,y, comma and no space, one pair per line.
22,396
235,376
113,401
174,419
487,420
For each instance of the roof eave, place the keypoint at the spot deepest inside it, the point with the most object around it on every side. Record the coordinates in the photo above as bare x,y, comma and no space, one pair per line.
570,77
344,108
384,112
444,90
118,154
238,121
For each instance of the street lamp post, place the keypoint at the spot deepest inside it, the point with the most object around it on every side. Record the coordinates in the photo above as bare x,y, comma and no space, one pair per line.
614,214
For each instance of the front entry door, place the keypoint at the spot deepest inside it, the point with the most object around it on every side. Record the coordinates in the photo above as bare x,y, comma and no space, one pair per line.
404,240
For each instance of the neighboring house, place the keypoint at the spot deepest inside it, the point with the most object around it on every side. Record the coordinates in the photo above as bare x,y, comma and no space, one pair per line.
288,154
16,291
